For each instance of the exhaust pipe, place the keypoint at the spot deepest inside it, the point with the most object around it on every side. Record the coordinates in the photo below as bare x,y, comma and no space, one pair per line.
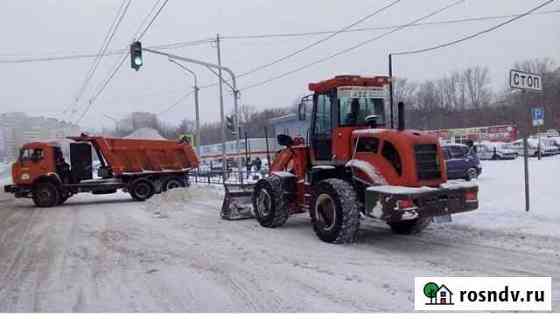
400,109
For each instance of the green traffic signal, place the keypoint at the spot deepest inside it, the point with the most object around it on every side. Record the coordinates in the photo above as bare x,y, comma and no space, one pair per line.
136,60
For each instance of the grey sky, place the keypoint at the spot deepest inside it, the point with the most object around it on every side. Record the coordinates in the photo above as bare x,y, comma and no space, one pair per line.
50,27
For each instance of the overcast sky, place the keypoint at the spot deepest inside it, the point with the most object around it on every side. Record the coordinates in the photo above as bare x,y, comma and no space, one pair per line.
56,27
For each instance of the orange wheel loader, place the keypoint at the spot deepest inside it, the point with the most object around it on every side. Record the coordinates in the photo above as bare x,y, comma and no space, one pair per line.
352,167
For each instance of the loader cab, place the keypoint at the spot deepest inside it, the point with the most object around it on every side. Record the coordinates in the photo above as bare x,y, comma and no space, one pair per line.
340,106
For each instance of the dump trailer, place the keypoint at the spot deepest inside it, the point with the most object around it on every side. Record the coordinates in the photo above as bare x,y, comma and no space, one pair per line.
355,165
139,167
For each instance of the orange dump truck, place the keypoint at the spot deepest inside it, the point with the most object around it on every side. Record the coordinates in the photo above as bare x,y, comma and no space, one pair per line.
140,167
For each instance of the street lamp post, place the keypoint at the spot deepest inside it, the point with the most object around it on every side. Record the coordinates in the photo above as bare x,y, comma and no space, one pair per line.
233,84
196,106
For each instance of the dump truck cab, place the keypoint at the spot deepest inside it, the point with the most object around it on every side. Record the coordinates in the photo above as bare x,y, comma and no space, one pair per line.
355,164
39,160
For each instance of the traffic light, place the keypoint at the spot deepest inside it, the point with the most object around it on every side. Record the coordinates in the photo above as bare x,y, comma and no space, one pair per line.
136,60
230,124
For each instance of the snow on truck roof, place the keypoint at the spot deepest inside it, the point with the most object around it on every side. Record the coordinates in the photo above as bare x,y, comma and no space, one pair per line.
145,133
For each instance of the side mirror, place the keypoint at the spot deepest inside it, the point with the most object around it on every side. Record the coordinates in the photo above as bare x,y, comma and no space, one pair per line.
301,111
285,140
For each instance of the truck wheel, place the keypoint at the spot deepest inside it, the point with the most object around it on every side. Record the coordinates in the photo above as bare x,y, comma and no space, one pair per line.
172,182
334,211
46,195
409,227
141,190
269,204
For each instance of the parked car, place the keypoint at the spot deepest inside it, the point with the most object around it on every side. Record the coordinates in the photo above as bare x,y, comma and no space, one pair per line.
495,151
461,161
547,147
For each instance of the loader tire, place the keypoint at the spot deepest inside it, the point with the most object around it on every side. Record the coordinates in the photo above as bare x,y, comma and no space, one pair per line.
409,227
141,190
46,195
334,211
269,204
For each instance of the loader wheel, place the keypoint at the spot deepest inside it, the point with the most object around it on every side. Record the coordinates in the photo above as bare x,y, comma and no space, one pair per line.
409,227
141,190
334,211
269,204
171,183
46,195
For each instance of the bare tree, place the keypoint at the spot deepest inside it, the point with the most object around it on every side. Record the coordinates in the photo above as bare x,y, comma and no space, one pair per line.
477,80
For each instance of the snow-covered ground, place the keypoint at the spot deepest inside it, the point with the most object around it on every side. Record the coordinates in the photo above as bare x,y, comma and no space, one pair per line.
174,254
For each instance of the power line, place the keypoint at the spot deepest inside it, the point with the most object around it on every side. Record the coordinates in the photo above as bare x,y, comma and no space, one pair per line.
377,28
139,37
452,4
313,44
170,46
474,35
103,86
181,99
121,62
121,13
178,45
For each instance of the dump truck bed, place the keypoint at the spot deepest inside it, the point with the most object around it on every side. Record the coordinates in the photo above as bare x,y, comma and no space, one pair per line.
133,156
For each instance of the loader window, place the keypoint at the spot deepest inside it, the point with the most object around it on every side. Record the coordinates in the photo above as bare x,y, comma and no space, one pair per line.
353,111
323,118
392,155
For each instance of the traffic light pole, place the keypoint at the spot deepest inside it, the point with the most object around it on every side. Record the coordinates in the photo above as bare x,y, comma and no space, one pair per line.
233,83
222,111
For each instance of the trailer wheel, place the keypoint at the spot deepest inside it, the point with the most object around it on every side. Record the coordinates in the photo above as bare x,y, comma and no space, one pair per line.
46,195
172,182
141,189
409,227
269,204
334,211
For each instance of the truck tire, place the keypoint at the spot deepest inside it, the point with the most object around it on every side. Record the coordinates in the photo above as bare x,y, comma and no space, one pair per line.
409,227
269,205
172,182
141,190
46,194
334,211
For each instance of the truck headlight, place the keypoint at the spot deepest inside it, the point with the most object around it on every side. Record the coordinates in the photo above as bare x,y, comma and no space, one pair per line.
24,177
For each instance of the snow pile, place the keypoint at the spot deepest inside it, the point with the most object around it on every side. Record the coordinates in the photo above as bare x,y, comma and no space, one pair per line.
502,199
176,200
145,133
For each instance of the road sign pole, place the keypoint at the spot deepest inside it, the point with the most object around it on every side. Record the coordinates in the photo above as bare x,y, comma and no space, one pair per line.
526,164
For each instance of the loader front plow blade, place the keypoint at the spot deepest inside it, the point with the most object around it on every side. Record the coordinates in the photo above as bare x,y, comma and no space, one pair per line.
238,202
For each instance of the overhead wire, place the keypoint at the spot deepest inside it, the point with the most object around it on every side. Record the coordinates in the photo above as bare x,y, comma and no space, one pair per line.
174,104
119,65
360,44
121,13
474,35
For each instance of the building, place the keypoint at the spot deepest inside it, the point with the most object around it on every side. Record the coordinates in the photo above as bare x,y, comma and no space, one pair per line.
495,133
18,129
289,125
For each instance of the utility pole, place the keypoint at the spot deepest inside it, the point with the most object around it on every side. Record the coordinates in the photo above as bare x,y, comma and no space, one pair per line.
222,114
235,111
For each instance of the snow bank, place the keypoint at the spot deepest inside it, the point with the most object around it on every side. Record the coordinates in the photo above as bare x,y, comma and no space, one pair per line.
176,200
502,199
145,133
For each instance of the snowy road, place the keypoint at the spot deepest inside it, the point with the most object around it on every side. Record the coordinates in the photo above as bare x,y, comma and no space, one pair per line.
107,253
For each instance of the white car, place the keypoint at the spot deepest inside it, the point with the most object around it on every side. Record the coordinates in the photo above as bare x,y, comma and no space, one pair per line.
495,151
547,147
